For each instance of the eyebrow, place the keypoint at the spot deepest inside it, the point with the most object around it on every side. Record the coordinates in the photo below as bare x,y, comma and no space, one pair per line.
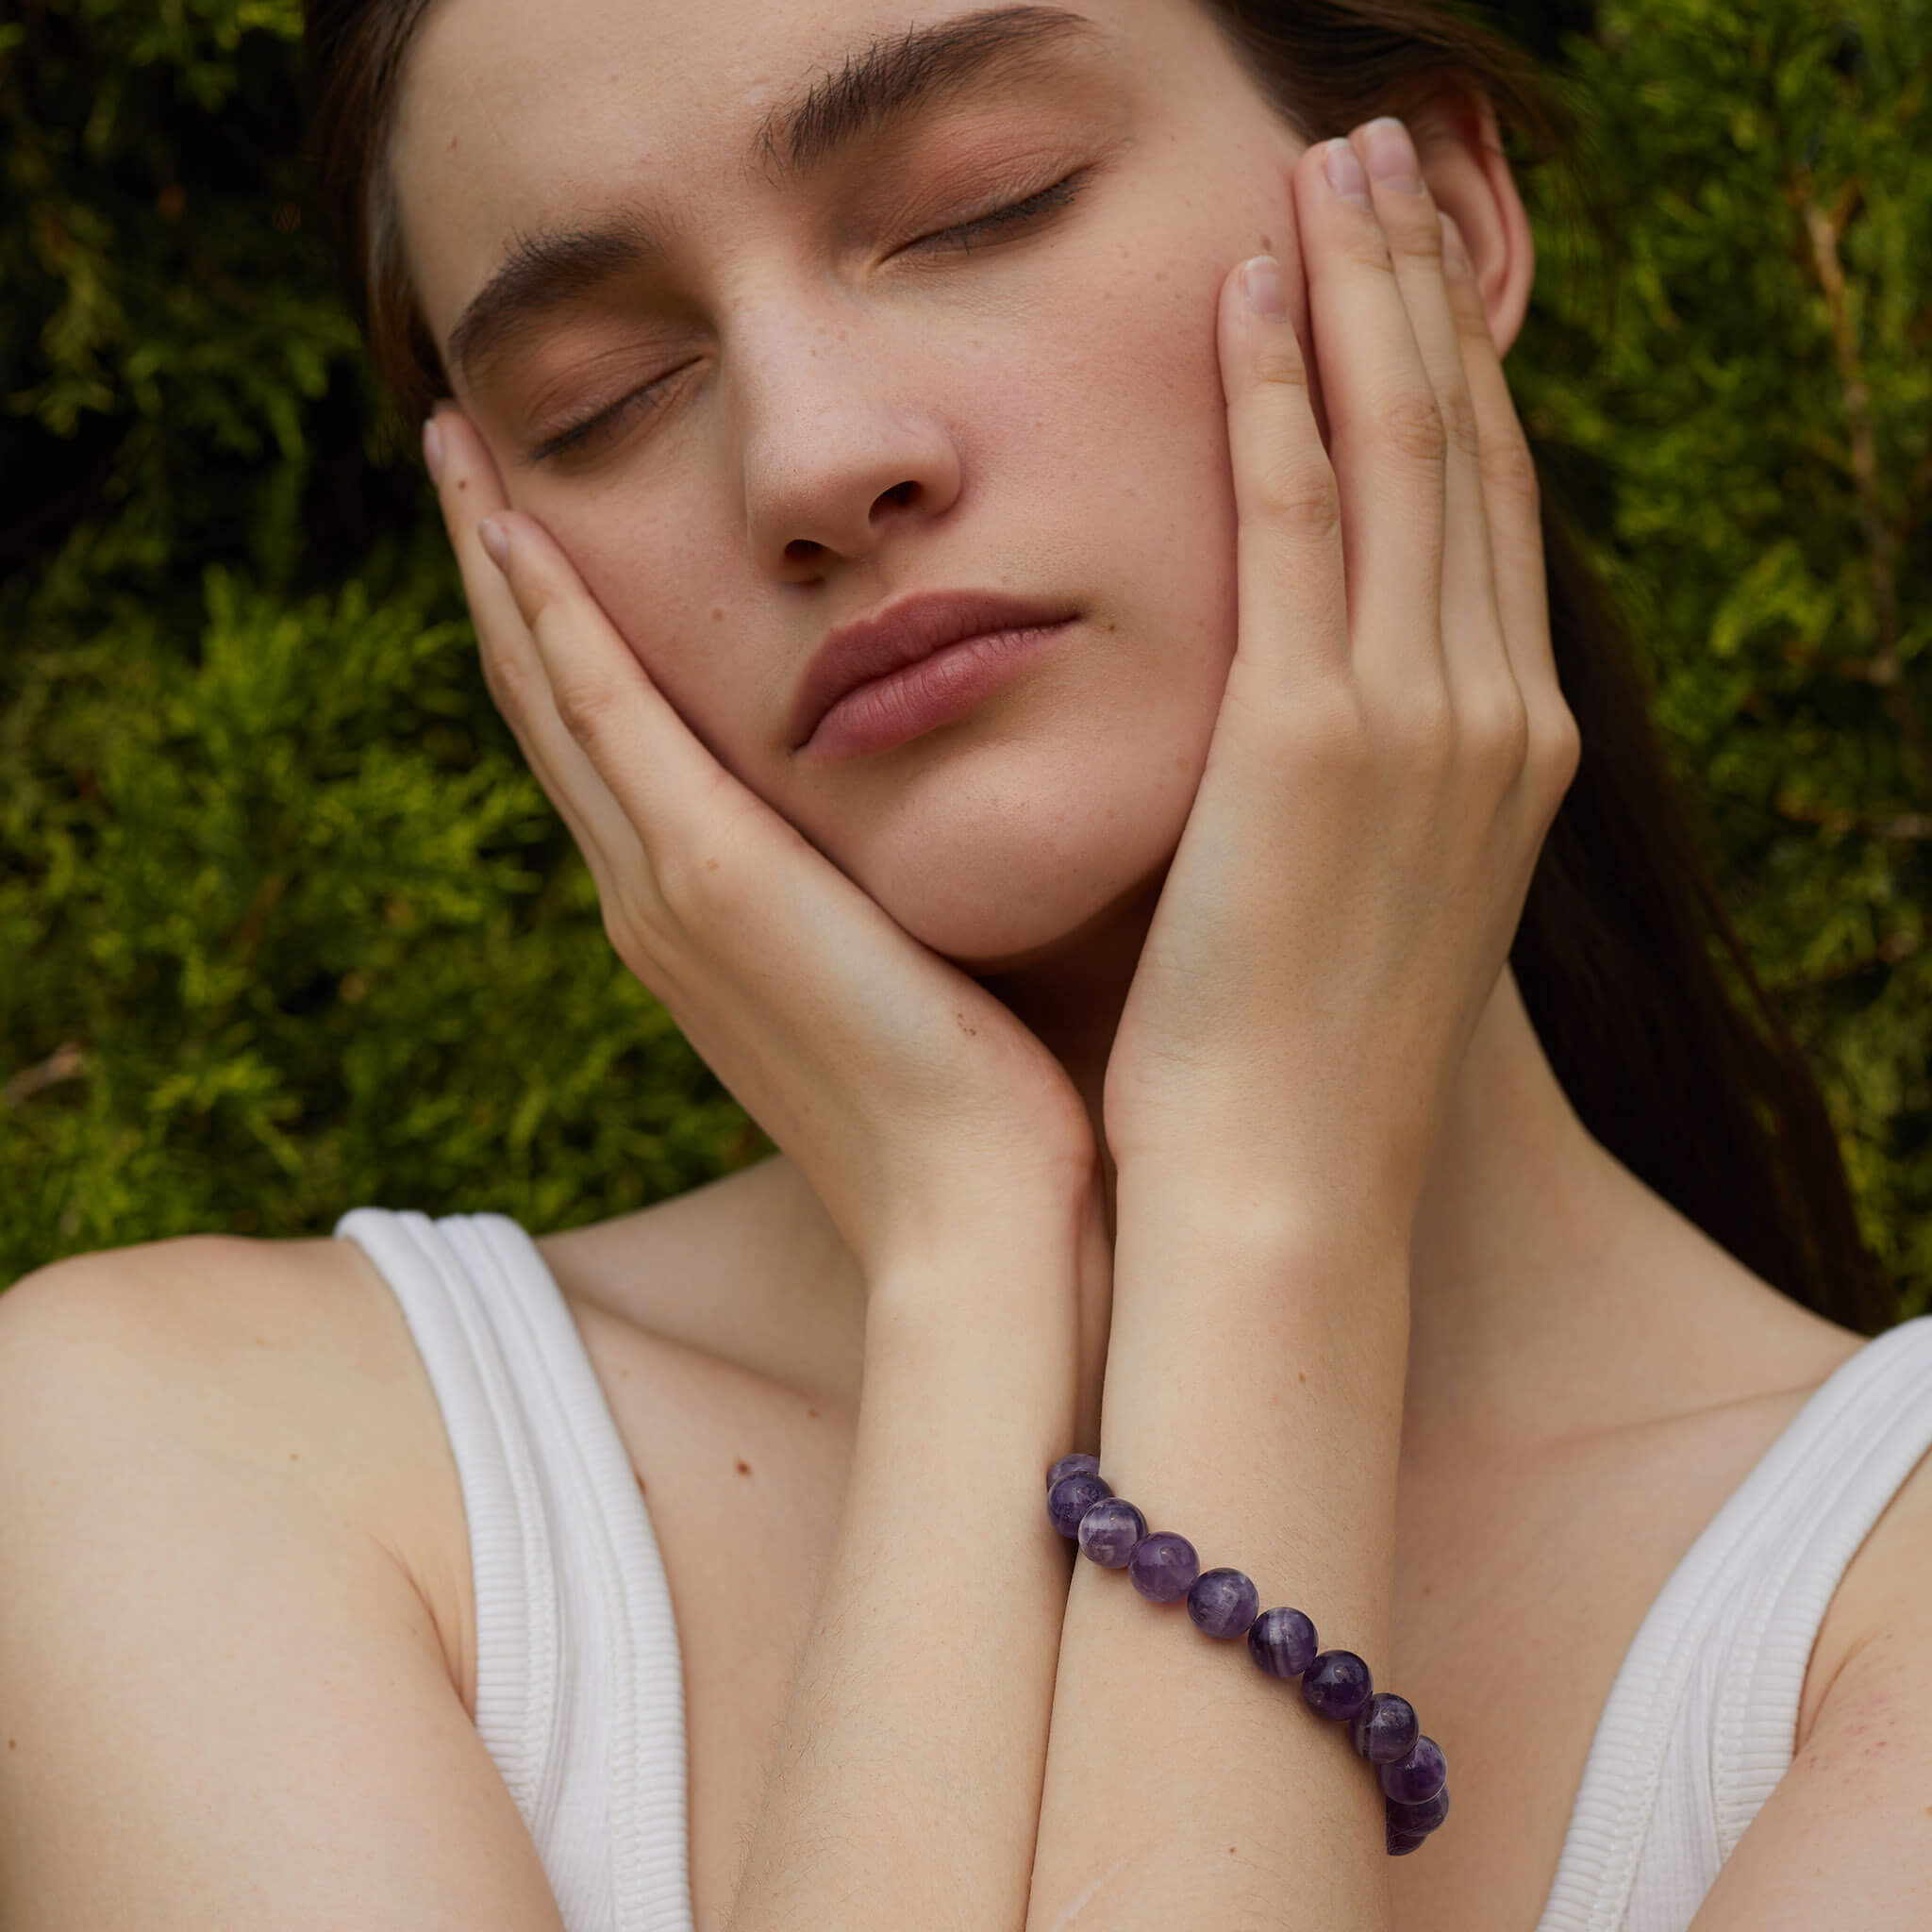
888,80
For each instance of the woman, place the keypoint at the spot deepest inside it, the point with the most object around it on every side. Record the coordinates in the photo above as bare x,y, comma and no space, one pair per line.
1018,565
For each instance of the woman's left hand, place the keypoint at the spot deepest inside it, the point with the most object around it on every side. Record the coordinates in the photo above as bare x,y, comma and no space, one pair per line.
1390,748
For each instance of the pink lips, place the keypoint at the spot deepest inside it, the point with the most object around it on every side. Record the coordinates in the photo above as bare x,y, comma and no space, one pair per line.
914,665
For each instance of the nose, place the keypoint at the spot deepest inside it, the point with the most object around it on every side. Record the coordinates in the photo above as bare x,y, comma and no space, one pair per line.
844,442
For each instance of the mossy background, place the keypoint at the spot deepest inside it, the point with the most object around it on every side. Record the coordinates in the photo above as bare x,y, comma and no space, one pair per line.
285,926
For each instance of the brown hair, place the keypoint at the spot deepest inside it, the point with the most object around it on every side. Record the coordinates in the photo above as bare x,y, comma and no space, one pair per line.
1641,991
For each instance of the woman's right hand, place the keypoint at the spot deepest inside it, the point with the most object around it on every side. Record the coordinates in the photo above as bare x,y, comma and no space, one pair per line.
912,1100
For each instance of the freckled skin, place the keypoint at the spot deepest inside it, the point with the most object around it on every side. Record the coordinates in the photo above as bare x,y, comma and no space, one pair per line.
994,384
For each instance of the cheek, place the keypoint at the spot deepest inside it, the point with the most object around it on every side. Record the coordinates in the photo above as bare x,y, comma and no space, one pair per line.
675,586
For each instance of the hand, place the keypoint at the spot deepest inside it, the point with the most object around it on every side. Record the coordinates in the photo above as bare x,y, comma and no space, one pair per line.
1390,748
911,1100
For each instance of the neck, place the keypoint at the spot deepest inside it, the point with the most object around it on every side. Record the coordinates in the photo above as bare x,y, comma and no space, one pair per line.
1552,1294
1521,1210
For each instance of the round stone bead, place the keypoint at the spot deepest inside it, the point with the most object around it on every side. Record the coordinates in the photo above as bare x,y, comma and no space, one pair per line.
1163,1566
1336,1685
1417,1778
1109,1530
1072,1497
1386,1728
1401,1843
1073,1465
1282,1641
1223,1603
1420,1819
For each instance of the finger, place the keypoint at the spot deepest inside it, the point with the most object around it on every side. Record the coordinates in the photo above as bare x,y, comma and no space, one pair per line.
1480,679
470,490
1512,498
1290,567
669,788
1385,429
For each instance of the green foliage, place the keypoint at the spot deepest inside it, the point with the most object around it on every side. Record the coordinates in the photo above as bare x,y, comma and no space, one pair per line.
1747,432
286,926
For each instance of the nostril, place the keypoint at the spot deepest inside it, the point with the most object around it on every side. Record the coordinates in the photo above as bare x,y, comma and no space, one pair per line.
900,496
802,550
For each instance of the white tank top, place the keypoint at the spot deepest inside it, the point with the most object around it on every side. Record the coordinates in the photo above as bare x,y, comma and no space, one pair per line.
580,1692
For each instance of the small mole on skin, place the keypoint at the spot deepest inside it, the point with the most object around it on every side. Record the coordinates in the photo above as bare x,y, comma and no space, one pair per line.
744,1467
813,1413
1267,245
1301,1376
718,614
710,865
294,1458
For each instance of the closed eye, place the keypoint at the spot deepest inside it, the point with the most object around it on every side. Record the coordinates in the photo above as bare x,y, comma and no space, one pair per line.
596,431
1012,216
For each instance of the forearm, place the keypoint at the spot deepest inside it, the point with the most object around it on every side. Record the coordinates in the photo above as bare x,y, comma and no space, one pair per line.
905,1785
1252,1404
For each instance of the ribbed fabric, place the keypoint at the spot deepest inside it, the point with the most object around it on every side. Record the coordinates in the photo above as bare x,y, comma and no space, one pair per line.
1702,1721
580,1692
579,1686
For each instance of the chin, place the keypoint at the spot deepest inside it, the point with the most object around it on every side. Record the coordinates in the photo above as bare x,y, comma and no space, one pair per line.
1014,891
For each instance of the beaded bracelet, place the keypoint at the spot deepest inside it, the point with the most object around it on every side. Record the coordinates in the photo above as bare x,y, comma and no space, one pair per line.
1413,1773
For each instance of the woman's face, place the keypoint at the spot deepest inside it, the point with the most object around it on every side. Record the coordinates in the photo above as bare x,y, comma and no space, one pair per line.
765,351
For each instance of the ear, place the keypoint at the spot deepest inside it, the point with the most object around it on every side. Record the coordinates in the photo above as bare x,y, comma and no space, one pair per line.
1461,152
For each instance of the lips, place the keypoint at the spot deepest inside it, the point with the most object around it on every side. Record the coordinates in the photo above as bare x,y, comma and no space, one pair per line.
903,632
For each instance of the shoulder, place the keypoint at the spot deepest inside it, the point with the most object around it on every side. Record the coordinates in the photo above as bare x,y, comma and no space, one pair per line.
210,1455
285,1328
288,1360
1845,1837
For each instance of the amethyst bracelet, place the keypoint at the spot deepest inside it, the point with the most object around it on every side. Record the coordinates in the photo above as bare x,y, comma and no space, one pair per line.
1413,1773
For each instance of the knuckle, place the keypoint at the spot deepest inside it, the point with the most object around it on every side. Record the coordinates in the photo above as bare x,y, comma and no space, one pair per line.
1329,729
1509,470
1421,724
511,683
1411,425
1461,425
585,707
1414,229
1301,490
1279,365
1559,751
1496,723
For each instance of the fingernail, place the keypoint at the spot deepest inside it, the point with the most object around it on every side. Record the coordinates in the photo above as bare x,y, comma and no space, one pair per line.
1343,168
496,540
1455,255
432,449
1391,154
1261,285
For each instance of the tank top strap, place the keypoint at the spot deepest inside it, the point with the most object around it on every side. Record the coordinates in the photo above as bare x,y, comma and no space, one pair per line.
1846,1454
1701,1721
579,1686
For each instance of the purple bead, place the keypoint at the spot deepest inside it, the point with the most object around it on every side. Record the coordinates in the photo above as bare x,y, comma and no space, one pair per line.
1282,1643
1386,1728
1163,1566
1223,1603
1109,1530
1072,1497
1417,1778
1073,1465
1401,1843
1336,1685
1419,1819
